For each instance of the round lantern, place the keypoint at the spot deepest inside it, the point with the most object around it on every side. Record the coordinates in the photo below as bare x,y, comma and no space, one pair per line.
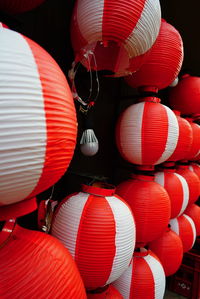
147,132
195,146
192,181
177,189
19,6
169,249
185,139
38,124
36,265
195,168
144,278
185,96
110,35
163,63
98,228
150,204
185,228
108,292
193,211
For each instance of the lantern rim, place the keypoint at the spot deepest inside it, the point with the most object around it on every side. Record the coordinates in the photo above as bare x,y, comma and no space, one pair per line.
103,190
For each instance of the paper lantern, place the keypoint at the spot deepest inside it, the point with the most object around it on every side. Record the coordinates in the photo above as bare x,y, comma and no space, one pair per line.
169,249
185,228
185,96
36,265
111,35
38,124
177,189
144,278
185,139
108,292
192,181
98,228
195,168
19,6
193,211
150,204
147,132
195,146
164,62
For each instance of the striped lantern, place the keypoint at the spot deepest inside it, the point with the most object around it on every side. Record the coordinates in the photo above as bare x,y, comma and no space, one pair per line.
147,132
18,6
114,35
169,249
98,228
177,189
108,292
150,204
193,211
38,124
192,181
184,227
164,62
36,265
185,139
185,96
144,278
195,168
195,146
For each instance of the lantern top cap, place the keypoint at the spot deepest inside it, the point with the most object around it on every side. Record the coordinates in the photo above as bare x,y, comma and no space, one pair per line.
141,253
99,189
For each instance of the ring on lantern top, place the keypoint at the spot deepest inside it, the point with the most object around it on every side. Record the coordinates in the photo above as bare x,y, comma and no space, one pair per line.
103,190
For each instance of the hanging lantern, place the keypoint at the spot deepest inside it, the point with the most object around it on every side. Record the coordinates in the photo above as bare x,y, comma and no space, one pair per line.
174,83
163,63
195,146
38,119
144,278
193,211
18,6
195,168
185,96
147,132
98,228
192,181
110,35
150,204
177,189
185,139
36,265
108,292
169,249
185,228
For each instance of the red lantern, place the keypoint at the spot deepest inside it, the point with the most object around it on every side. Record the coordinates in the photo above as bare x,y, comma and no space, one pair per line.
177,188
144,278
147,133
108,292
195,168
111,35
195,146
193,211
185,96
163,63
150,204
185,139
169,249
185,228
36,265
192,181
19,6
38,125
98,228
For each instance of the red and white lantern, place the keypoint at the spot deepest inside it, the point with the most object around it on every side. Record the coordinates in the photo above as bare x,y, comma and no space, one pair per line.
98,228
192,181
193,211
111,35
163,63
18,6
169,249
108,292
185,228
150,204
144,278
177,189
38,125
147,132
36,265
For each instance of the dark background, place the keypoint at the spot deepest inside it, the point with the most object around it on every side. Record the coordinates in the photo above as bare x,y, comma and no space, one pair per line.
49,25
